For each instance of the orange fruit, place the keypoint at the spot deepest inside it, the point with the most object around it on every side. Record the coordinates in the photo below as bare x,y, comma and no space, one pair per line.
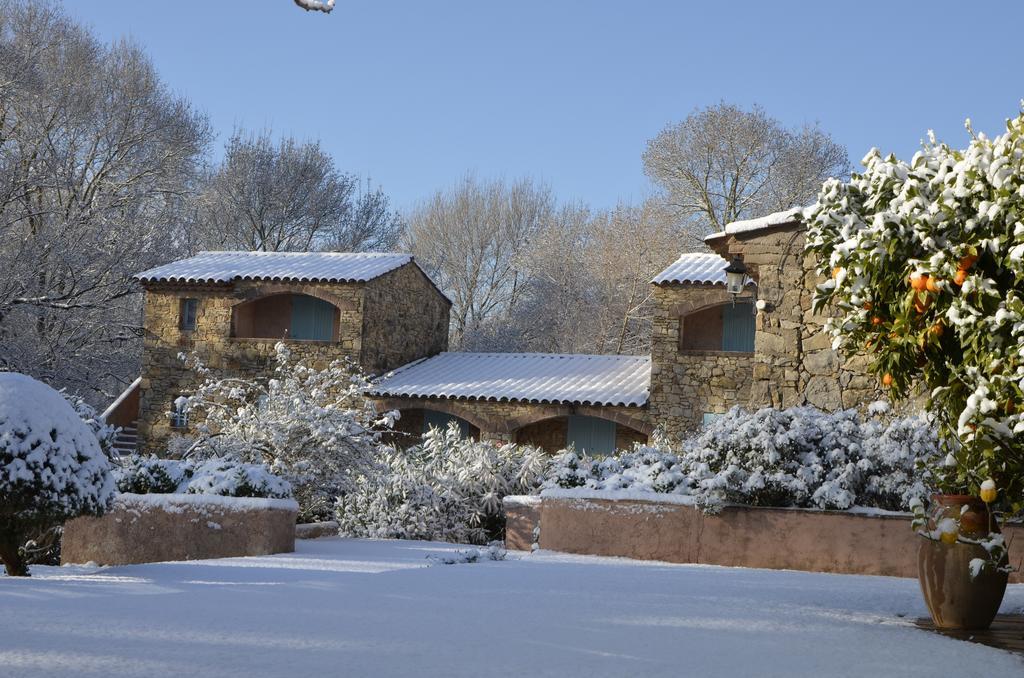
932,285
876,320
919,282
887,379
835,271
968,261
960,277
868,305
948,537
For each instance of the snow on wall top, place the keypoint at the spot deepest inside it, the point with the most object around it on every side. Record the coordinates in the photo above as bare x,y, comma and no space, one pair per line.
524,377
767,221
695,267
224,267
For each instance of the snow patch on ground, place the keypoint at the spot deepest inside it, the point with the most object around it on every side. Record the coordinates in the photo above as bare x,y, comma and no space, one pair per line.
364,607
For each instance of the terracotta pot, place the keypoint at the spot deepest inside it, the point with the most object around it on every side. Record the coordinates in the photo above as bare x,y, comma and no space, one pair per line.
955,600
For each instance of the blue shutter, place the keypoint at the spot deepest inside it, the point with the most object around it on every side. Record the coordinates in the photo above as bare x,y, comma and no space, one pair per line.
312,318
435,419
738,328
590,434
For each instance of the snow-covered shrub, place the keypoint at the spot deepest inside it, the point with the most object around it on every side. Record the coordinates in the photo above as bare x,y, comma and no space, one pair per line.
229,478
223,477
104,432
800,456
494,550
151,475
447,488
313,427
51,466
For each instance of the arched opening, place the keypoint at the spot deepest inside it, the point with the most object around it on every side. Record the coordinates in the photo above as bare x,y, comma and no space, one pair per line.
298,317
414,423
724,327
593,435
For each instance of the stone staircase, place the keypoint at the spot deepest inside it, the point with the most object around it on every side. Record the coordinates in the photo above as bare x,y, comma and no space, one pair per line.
127,440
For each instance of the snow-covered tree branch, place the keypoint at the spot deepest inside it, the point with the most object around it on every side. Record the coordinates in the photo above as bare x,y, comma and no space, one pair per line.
324,6
313,427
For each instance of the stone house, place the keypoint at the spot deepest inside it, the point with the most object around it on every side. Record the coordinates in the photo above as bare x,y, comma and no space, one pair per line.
231,308
711,347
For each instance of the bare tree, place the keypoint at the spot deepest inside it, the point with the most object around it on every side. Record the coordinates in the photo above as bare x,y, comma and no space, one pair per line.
472,238
723,163
585,283
98,160
289,195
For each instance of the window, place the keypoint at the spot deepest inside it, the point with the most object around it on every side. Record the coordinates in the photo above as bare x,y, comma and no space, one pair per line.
591,435
179,412
188,312
709,417
312,319
435,419
738,327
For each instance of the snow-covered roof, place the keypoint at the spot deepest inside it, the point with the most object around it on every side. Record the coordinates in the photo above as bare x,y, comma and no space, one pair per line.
523,377
695,267
225,267
767,221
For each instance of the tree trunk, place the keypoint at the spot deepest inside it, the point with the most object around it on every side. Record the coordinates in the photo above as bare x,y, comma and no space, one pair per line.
14,563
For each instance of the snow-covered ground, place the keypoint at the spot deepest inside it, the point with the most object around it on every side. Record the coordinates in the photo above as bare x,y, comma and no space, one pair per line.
379,608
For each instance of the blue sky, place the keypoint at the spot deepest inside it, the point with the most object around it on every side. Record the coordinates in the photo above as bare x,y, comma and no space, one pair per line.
415,94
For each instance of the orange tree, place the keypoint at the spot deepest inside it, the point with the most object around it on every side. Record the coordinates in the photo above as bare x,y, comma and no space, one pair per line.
924,272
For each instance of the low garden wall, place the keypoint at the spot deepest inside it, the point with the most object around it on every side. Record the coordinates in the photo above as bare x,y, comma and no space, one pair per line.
669,528
146,528
522,515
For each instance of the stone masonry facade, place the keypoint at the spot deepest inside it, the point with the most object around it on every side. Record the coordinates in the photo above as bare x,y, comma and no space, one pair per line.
537,424
793,360
686,384
400,317
380,324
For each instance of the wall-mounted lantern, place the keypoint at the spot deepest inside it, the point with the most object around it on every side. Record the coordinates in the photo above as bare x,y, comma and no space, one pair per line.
735,277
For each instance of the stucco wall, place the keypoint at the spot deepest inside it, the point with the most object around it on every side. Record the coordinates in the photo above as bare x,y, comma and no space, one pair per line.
153,528
792,539
522,516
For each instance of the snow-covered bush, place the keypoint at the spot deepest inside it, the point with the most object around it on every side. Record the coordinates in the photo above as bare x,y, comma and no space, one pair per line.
313,427
51,466
104,432
800,456
224,477
447,489
494,550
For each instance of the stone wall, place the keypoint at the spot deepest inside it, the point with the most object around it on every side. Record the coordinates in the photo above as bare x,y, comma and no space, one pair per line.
502,421
396,318
405,318
794,363
148,528
686,384
777,538
164,376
